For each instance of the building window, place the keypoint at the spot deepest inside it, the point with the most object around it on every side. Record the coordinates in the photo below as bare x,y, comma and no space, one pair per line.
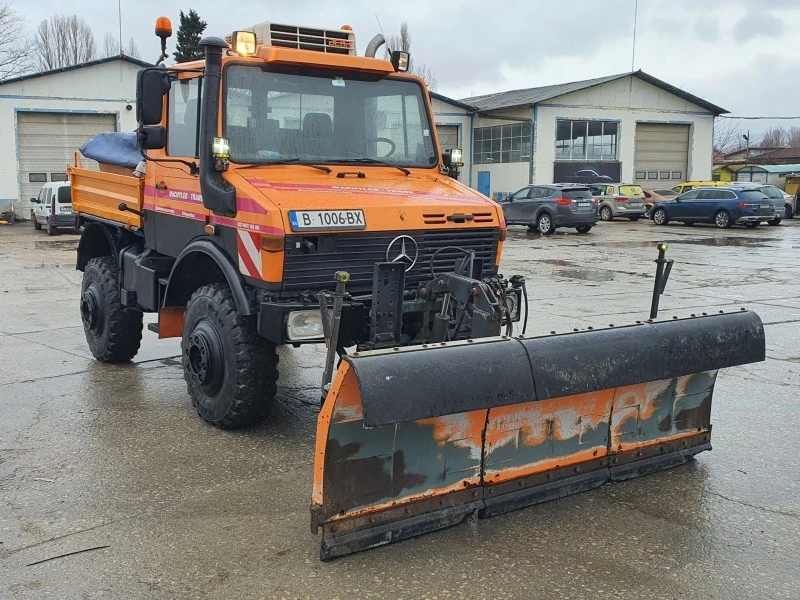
58,176
677,175
502,144
37,177
586,140
641,175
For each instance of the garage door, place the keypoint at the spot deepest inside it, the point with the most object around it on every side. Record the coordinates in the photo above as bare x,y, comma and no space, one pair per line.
448,136
662,154
47,143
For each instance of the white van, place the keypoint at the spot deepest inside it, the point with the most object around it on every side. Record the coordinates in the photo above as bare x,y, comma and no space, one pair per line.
52,208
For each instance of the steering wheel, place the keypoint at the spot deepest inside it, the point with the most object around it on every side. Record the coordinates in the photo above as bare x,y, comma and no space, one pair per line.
384,140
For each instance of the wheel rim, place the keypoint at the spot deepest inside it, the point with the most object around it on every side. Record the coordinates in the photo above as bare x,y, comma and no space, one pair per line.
605,213
722,219
659,217
92,313
544,224
205,362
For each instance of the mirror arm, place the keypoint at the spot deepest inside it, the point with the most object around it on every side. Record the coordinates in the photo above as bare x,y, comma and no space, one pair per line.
194,169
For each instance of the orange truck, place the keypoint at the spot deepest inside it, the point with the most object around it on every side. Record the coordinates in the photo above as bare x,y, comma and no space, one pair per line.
293,192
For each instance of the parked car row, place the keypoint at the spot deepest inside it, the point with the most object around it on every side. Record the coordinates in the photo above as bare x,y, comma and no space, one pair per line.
546,207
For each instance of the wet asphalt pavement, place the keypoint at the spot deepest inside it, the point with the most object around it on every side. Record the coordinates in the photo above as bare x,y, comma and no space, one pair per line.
114,457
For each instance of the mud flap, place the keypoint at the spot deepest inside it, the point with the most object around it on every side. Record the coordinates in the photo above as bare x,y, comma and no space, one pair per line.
416,439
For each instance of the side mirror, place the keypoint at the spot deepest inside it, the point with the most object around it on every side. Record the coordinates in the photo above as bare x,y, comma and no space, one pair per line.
153,137
34,201
151,87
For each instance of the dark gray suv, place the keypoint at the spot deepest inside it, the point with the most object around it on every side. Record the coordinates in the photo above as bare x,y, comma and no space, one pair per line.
543,208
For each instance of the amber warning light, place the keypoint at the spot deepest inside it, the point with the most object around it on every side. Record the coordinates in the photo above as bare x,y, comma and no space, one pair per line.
163,27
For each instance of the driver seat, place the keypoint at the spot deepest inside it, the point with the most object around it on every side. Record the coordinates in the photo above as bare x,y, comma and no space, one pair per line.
317,134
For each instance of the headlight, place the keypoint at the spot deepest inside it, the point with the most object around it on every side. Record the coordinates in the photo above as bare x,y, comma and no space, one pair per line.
304,325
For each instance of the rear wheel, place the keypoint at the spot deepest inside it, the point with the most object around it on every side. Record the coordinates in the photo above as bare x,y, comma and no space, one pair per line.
775,221
50,229
545,224
723,219
583,228
113,333
231,372
606,214
660,217
36,225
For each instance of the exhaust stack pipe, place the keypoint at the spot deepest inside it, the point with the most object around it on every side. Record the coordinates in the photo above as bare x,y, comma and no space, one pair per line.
374,44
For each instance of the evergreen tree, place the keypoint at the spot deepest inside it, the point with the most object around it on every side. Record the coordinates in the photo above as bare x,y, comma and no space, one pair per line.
189,32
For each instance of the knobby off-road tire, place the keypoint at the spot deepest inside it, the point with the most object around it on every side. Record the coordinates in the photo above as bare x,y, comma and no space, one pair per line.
113,333
231,372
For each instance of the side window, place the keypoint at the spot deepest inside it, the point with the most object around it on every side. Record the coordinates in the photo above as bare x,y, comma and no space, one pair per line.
727,195
540,192
648,195
690,195
523,193
707,195
184,113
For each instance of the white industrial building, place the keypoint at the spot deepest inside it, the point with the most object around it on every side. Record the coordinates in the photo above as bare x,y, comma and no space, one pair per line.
630,127
45,117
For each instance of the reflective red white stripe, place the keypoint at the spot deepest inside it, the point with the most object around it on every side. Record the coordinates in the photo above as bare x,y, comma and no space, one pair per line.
247,245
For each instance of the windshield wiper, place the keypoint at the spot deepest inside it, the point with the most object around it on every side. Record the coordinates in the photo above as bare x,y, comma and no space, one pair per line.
288,161
372,161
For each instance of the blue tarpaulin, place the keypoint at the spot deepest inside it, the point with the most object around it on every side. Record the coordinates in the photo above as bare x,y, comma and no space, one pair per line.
113,147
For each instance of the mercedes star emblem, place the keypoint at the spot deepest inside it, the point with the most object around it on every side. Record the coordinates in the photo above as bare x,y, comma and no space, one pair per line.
403,249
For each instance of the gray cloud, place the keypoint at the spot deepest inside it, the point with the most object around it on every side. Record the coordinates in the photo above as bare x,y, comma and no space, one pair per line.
758,23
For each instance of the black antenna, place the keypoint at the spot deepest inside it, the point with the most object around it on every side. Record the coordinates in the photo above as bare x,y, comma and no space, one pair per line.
383,34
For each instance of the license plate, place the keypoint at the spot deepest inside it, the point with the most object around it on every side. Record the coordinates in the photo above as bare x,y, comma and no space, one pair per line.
766,206
316,220
584,204
635,203
66,209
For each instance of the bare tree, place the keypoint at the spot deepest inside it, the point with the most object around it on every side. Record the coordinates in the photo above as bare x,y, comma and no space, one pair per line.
110,46
62,41
774,137
727,136
132,50
403,42
15,56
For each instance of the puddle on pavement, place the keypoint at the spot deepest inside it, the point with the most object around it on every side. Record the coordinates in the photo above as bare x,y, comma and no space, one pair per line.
722,240
586,274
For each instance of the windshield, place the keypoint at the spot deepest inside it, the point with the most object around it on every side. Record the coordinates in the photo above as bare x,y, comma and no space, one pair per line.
311,116
772,192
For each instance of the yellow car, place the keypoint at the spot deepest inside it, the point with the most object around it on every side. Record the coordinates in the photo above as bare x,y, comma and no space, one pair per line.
685,187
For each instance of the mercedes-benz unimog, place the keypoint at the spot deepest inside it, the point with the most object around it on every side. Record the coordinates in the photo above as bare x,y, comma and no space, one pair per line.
293,192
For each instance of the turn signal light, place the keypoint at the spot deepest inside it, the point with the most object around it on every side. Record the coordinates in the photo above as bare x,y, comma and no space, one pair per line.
272,242
563,201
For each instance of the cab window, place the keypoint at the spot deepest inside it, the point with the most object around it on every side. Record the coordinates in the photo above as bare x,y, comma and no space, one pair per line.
184,116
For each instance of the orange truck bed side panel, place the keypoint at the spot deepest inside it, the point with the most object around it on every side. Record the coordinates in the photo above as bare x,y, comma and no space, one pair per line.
100,194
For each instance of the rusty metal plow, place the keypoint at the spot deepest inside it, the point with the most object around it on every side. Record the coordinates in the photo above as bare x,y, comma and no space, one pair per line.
414,439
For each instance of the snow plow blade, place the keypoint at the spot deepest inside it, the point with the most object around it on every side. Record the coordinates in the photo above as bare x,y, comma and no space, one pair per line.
414,439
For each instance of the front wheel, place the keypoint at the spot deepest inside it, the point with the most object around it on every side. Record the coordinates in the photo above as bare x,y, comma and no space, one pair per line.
775,221
789,211
112,332
545,224
723,219
36,225
583,228
606,214
231,372
660,217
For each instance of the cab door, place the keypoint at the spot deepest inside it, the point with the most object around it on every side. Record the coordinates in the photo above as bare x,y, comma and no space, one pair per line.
173,193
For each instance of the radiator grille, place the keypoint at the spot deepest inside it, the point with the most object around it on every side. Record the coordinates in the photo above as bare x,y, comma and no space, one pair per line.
357,254
305,38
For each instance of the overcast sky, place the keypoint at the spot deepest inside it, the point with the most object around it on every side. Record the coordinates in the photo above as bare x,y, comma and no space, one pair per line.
743,55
